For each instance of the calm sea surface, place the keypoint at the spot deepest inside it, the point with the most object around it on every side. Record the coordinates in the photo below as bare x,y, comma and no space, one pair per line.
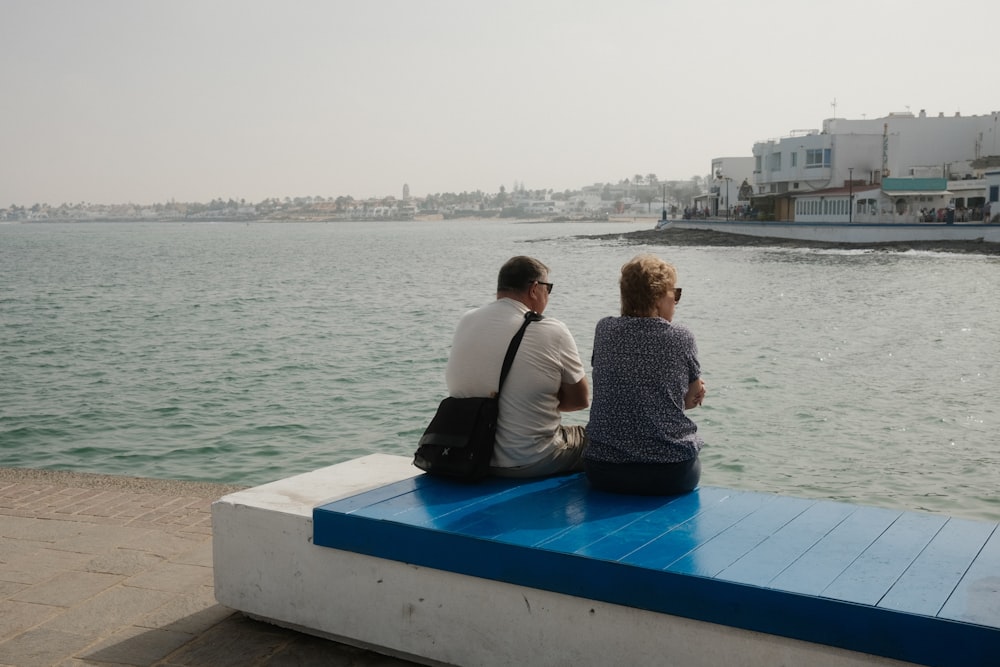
244,353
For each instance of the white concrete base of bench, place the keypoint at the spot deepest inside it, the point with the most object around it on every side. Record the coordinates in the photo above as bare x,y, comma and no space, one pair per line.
267,566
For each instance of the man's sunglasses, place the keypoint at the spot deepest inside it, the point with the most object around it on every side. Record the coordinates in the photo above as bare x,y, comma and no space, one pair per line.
548,286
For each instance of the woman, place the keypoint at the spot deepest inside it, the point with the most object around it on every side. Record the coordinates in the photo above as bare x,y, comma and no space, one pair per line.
646,374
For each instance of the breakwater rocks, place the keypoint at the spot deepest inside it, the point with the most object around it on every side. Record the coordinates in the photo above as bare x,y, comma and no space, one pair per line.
698,237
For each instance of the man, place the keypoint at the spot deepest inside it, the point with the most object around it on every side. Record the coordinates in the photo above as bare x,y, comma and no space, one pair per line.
547,376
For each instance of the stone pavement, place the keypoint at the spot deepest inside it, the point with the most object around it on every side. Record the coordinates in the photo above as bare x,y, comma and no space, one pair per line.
107,570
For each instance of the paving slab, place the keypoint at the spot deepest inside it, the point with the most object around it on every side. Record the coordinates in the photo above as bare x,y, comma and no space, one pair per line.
110,570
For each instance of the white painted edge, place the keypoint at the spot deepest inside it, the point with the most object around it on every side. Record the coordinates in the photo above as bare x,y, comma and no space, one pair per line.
300,493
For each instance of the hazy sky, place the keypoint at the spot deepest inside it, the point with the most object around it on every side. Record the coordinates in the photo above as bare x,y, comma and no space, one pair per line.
109,101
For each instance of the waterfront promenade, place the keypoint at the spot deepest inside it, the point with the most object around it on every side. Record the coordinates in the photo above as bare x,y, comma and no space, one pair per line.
106,570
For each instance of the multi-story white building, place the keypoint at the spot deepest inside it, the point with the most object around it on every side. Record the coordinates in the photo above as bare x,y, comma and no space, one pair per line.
798,177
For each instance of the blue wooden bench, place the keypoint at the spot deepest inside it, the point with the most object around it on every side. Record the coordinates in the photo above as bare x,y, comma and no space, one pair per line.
916,587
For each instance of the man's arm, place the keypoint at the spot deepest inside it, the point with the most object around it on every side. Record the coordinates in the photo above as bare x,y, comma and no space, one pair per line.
574,397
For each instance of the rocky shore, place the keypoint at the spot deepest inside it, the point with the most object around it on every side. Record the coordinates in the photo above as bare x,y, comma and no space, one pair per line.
697,237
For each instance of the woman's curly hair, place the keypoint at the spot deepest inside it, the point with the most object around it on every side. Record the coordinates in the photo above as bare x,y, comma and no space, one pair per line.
645,279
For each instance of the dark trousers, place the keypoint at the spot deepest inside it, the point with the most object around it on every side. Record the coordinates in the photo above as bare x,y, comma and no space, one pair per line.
646,479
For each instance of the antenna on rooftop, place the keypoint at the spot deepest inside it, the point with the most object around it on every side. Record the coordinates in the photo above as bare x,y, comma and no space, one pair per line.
834,105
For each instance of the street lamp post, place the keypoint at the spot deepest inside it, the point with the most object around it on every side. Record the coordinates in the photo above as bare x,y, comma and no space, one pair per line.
727,197
850,186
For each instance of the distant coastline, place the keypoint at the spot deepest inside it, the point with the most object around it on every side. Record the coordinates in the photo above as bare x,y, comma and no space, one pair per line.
325,219
697,237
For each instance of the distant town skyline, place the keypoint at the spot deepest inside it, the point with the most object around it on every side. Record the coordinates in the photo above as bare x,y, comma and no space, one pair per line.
116,101
403,193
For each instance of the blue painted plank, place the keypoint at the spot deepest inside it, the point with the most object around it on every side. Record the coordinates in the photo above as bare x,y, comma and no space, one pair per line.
527,495
877,569
661,552
527,518
440,503
725,549
767,561
381,501
644,529
976,599
834,552
570,512
930,580
366,498
436,507
607,514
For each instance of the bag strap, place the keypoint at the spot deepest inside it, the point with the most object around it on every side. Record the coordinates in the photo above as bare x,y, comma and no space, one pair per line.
515,342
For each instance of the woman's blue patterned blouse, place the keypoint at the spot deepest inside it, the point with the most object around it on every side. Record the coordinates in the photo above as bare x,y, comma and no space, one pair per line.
642,367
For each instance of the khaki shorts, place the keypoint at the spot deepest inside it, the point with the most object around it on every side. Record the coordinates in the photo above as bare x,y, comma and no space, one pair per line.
566,455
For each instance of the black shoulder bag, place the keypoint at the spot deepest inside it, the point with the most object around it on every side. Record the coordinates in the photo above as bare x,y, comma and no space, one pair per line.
459,441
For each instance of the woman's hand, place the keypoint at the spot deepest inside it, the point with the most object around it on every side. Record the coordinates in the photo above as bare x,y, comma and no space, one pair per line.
695,394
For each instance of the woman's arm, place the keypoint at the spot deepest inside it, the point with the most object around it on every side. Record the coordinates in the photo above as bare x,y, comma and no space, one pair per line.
695,394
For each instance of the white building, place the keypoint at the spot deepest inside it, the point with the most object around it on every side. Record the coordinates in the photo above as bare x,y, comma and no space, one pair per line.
992,178
731,176
861,153
543,207
894,200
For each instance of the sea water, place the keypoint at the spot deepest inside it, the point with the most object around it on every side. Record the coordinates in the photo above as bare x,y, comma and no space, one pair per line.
243,353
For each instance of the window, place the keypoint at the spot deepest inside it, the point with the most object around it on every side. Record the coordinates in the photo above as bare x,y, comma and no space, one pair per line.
817,157
774,162
795,158
995,193
756,166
